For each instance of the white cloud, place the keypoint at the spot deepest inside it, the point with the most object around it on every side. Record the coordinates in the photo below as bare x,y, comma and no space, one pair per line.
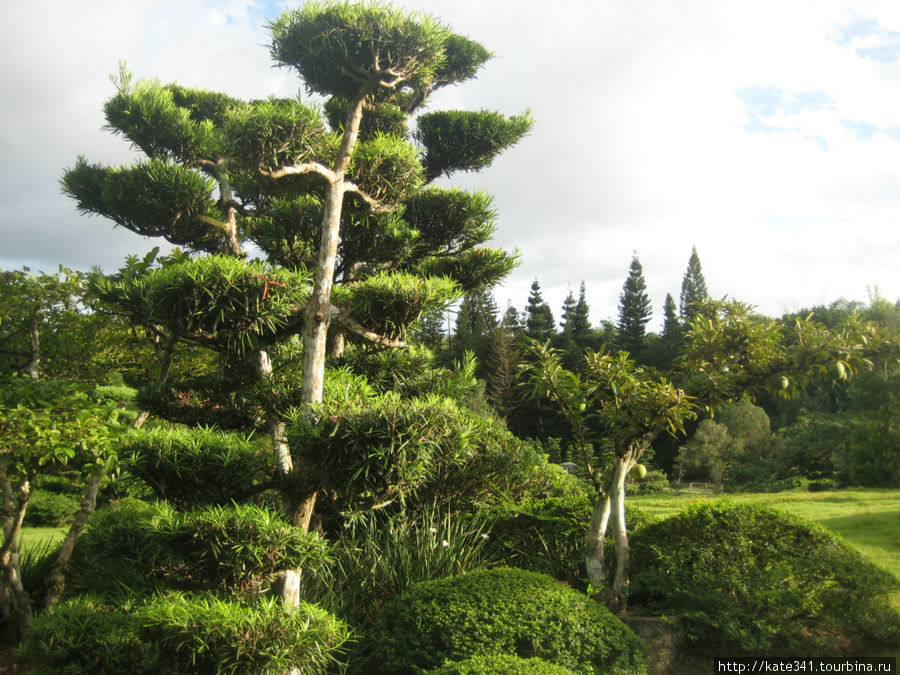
643,140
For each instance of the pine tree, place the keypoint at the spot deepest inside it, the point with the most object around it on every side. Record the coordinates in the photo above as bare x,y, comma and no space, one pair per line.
672,337
538,315
693,288
504,363
581,322
476,322
634,310
568,312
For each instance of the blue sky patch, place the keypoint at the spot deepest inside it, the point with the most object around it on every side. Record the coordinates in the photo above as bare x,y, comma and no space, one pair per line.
879,44
862,130
766,101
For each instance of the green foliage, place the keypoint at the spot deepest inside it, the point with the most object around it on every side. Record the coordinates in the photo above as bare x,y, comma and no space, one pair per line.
138,547
465,140
266,135
196,467
84,635
217,300
500,664
387,168
545,535
374,558
179,633
754,580
391,302
343,49
634,311
505,611
49,509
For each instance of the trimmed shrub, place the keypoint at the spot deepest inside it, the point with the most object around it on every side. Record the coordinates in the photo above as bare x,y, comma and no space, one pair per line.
506,611
174,633
49,509
751,579
83,635
208,635
140,547
196,467
501,664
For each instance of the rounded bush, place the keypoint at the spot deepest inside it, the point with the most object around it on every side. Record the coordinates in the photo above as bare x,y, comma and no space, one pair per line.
175,633
501,664
751,579
49,509
141,547
503,610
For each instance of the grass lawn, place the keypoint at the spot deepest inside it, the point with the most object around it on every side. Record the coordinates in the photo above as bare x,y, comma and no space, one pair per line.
868,519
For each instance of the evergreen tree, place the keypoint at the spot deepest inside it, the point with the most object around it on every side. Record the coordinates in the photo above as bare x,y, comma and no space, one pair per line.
672,337
504,362
568,312
634,310
476,322
538,315
340,190
693,288
581,322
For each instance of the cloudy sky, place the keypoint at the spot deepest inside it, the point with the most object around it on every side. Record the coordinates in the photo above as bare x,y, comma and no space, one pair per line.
765,133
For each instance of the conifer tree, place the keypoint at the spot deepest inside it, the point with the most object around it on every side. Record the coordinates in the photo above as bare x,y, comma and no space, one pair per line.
538,316
634,310
672,337
568,313
693,288
338,199
581,322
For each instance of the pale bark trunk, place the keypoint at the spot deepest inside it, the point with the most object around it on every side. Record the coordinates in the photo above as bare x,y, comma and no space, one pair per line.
620,534
594,556
318,309
56,580
34,367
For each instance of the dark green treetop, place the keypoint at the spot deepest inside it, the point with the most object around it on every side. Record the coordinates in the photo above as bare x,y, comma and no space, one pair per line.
634,309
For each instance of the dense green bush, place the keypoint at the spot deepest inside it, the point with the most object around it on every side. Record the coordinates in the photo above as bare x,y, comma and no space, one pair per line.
141,547
196,467
751,579
501,664
174,633
384,449
50,509
502,610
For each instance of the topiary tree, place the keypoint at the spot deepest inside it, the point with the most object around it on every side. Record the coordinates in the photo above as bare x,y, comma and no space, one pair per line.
337,198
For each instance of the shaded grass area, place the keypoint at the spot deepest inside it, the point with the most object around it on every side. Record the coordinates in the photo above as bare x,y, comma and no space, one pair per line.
869,519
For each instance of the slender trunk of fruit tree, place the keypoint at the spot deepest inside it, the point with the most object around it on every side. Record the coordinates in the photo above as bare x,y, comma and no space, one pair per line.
594,556
34,367
620,535
56,580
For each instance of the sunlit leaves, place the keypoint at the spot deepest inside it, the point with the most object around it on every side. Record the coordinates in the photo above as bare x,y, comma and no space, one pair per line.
340,48
464,140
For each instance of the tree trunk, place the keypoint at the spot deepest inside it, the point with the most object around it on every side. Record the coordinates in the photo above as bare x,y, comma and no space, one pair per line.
318,309
13,514
594,556
34,367
56,580
620,534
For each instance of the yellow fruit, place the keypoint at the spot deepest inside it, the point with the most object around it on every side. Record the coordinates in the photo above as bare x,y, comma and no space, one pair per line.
640,471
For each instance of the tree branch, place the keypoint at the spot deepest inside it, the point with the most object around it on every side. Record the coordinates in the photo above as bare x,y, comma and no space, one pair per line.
300,170
344,320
